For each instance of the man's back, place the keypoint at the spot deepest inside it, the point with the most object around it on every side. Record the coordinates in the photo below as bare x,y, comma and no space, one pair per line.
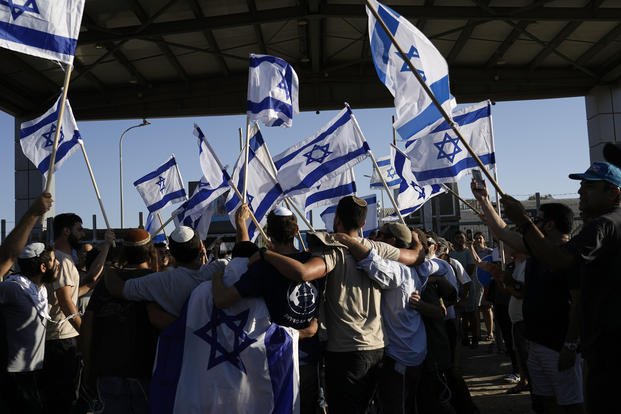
67,276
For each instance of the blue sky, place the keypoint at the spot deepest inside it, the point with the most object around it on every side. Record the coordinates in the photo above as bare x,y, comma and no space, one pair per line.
538,143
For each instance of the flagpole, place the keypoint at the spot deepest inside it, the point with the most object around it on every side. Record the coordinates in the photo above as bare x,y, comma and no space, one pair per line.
241,139
290,204
394,132
159,217
392,198
252,217
246,152
161,229
61,112
450,190
495,170
446,117
90,172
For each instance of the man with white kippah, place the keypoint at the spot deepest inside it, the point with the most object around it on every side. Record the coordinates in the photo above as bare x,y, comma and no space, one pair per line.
171,288
23,318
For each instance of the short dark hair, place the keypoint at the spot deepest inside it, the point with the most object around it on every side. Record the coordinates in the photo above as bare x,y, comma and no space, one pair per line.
64,221
560,215
422,239
134,255
476,233
244,249
186,252
32,267
351,213
281,229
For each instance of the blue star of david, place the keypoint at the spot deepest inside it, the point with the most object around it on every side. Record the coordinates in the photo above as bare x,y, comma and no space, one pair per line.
319,158
442,153
412,53
209,333
391,173
49,136
249,199
17,9
161,182
420,190
283,85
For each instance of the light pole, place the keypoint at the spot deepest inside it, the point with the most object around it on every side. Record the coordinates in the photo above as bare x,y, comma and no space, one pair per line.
144,123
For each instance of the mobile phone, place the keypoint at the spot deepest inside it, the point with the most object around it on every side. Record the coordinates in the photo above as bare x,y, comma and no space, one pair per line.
477,176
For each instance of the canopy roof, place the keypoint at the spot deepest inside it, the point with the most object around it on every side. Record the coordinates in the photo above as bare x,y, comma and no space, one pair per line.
139,58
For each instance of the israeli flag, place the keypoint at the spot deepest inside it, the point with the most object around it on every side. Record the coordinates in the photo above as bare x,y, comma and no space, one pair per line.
411,195
272,91
36,137
197,211
440,157
387,170
415,110
262,191
336,147
329,192
162,186
370,224
225,361
152,225
45,28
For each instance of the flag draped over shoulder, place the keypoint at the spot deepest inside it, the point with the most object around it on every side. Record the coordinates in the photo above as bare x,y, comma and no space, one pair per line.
387,170
440,156
272,91
412,195
263,191
329,192
162,186
225,361
45,28
36,137
415,109
336,147
370,224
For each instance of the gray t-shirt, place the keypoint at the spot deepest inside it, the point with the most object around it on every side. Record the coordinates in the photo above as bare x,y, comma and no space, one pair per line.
171,288
25,329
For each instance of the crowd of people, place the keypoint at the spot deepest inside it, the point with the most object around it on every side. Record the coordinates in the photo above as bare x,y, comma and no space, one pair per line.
379,321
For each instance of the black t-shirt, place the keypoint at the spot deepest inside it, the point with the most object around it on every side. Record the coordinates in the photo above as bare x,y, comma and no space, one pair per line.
439,354
546,304
598,249
124,340
292,304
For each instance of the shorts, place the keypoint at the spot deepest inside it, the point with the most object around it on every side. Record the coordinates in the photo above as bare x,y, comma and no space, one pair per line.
547,381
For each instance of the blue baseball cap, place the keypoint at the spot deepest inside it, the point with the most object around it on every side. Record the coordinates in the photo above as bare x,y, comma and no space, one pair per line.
600,171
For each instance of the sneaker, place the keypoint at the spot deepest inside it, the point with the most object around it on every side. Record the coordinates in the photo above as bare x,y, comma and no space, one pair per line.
512,378
518,388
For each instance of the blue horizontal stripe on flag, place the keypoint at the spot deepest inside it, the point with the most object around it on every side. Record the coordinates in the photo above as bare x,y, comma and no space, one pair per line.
429,115
388,183
167,198
339,123
409,210
200,197
329,210
169,164
257,60
26,132
263,208
61,152
37,38
399,162
383,163
270,103
339,191
378,33
453,170
330,166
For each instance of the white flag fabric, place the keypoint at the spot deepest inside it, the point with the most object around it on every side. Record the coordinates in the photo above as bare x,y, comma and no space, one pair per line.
225,361
440,157
370,224
263,191
329,192
45,28
36,137
162,186
272,91
415,110
388,172
412,195
336,147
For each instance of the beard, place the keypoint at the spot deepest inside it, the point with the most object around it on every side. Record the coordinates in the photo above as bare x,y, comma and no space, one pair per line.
73,242
49,276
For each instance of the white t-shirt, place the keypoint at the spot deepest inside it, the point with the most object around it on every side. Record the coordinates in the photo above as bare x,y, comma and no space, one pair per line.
515,304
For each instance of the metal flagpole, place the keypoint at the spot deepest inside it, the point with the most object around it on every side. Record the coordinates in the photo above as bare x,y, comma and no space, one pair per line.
394,132
392,199
90,172
246,151
501,246
447,188
61,112
446,117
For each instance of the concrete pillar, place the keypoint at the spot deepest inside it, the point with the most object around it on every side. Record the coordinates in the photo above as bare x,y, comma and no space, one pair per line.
29,182
603,107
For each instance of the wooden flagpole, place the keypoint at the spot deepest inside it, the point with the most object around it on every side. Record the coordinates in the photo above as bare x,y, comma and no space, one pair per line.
470,206
446,117
59,122
246,152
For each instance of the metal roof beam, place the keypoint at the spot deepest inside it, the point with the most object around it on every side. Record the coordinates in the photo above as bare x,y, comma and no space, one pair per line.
252,7
560,37
210,38
506,44
608,38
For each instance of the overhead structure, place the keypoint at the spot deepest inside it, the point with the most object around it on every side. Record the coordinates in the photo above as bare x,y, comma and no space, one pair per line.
139,58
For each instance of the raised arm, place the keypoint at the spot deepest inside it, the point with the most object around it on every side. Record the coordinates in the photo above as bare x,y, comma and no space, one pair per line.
96,269
17,239
241,216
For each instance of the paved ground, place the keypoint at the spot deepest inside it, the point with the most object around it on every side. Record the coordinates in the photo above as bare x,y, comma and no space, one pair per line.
483,368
